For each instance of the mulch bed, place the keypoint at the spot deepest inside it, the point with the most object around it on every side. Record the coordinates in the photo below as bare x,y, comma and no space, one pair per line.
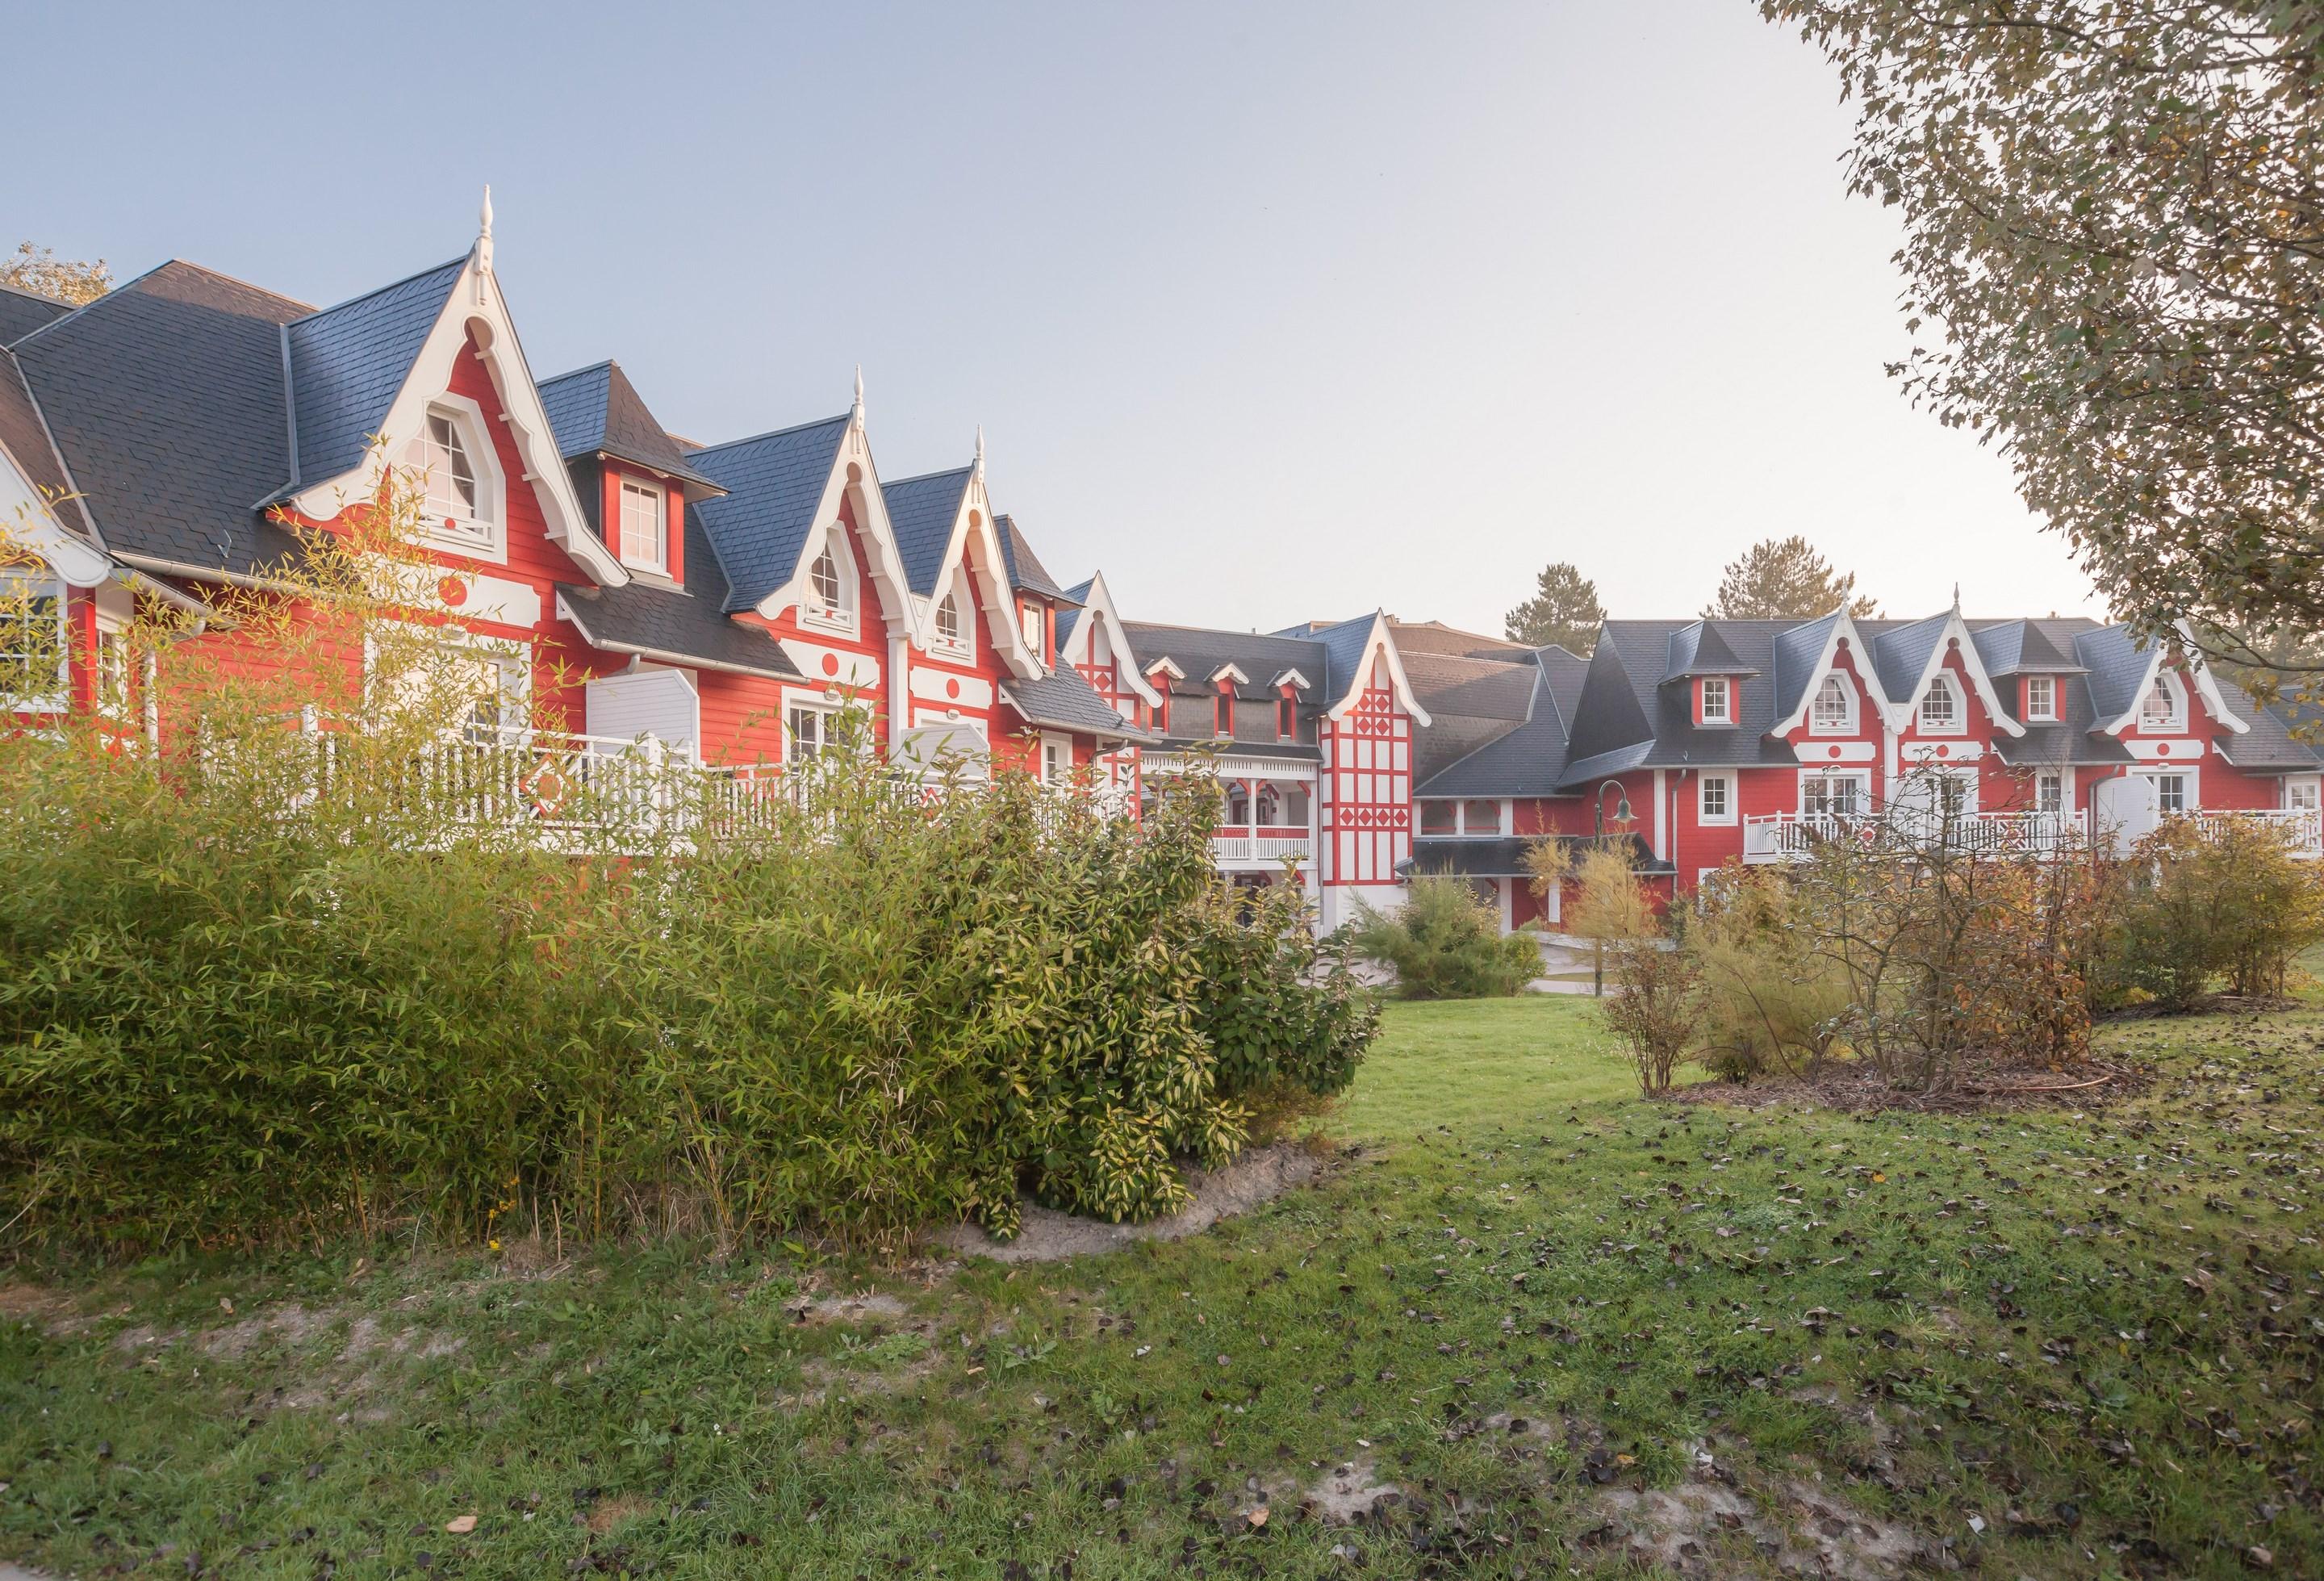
1978,1087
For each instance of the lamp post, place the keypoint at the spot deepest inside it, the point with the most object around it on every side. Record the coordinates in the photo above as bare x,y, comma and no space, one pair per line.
1598,814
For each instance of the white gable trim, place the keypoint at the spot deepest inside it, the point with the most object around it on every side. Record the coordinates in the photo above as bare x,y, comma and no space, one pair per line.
872,521
1097,607
2207,686
1381,643
475,301
29,526
1229,671
1867,674
1167,668
1291,677
1900,713
978,547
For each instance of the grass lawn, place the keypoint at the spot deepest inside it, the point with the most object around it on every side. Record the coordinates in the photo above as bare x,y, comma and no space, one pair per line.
2043,1345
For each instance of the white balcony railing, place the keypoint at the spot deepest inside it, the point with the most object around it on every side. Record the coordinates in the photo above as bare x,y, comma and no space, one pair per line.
1785,836
1260,843
2302,826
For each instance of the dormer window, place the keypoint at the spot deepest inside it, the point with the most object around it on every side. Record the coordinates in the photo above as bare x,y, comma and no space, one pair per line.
2159,710
462,491
1717,707
1834,710
645,527
1941,707
1222,718
2041,696
1028,621
1287,718
831,585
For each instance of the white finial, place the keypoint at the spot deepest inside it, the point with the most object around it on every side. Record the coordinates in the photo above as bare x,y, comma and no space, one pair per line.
979,449
1956,598
484,232
859,392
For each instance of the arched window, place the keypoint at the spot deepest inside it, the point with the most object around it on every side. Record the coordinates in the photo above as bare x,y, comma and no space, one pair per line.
1940,708
1835,707
824,573
948,630
1270,807
1238,805
454,459
2159,710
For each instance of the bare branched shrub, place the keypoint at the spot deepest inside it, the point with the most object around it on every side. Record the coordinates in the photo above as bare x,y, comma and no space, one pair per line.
1771,1000
1657,987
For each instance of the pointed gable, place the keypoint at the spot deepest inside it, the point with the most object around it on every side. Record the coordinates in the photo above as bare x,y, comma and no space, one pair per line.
349,363
1902,654
1609,715
2022,647
775,485
1799,661
1701,649
1026,572
922,511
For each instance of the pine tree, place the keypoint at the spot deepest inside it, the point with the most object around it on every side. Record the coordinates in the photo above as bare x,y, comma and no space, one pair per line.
1784,578
1564,610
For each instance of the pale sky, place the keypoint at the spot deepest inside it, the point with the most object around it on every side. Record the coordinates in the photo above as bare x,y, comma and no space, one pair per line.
1271,312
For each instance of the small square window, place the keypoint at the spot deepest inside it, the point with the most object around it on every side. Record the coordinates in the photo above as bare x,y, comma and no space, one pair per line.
2171,793
2041,696
1715,708
2301,795
1716,799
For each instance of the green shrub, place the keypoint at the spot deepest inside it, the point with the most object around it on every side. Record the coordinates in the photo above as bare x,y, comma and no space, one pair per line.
1445,943
271,983
2202,903
1771,1000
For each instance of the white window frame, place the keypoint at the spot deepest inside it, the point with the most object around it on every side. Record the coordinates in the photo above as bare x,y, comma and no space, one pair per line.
962,642
2044,710
22,590
837,615
1942,683
1029,624
2182,771
110,669
2044,784
1061,772
1818,725
1724,780
2175,722
511,655
2302,793
1860,778
1725,713
483,535
659,562
794,710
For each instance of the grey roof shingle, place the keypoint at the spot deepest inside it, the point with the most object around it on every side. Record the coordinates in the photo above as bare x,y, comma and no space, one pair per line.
1505,857
775,481
348,362
25,441
1792,661
1527,761
165,397
1026,572
2116,665
597,411
1069,612
1700,650
1901,652
2025,647
921,512
691,623
1064,700
23,311
1201,652
1344,644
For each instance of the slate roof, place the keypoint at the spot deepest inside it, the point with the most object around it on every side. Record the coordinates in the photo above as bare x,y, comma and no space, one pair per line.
1526,761
1431,636
1064,700
1792,661
691,623
1343,644
1069,612
24,440
1199,653
165,397
1635,709
2269,746
1700,650
1026,572
1505,857
1477,688
597,411
2027,647
1901,652
2116,665
348,362
774,482
921,512
23,311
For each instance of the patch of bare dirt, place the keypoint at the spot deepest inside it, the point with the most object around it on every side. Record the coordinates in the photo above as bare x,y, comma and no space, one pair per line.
1856,1088
53,1310
1350,1492
608,1513
859,1306
1259,1176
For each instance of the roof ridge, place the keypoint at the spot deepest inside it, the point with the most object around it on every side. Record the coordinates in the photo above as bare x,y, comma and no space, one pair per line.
67,318
926,477
605,362
754,438
375,291
38,296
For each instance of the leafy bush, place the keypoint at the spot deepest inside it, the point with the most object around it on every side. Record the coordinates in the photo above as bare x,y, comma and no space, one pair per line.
2225,900
1445,943
279,976
1771,1001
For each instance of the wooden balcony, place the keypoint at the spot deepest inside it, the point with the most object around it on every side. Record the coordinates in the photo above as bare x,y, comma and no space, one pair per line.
1787,837
1259,846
